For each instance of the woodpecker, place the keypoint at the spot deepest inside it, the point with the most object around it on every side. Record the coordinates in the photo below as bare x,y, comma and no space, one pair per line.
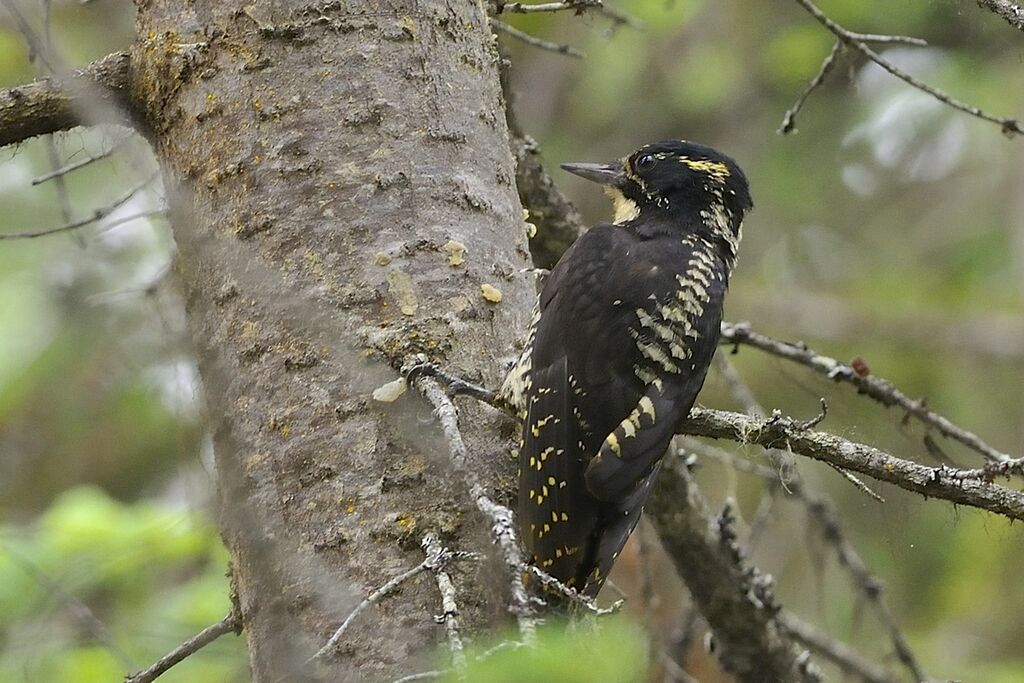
620,342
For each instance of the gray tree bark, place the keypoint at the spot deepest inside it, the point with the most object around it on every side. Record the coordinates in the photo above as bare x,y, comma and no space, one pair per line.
331,163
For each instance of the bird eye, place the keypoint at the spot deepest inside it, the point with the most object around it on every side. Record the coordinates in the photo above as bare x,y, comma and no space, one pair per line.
645,162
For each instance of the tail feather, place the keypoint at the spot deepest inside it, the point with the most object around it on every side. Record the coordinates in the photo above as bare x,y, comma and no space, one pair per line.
557,514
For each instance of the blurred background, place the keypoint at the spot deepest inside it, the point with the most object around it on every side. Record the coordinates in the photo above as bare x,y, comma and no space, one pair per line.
888,226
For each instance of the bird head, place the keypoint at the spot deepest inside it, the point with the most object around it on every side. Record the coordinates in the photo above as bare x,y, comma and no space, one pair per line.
683,182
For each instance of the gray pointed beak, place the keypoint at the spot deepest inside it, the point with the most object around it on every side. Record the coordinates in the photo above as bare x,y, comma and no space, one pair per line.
606,174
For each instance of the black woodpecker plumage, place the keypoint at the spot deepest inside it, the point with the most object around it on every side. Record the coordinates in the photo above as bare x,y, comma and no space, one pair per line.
622,337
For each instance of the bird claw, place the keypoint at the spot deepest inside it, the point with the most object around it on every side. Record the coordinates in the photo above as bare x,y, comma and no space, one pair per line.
420,366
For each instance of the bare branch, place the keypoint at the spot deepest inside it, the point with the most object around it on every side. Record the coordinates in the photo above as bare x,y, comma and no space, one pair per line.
97,214
373,598
578,6
1009,126
789,118
435,562
232,623
878,388
557,220
525,37
779,459
858,484
781,432
575,596
502,523
846,658
821,512
52,105
79,609
81,163
121,220
992,470
1011,12
423,676
884,38
736,600
674,672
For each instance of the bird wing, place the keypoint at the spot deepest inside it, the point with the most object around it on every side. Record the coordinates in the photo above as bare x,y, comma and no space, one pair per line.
619,354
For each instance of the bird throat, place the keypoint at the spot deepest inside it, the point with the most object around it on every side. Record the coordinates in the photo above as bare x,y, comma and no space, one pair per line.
625,208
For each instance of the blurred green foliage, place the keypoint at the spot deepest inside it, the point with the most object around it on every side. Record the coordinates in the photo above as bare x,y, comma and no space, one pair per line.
151,574
888,227
614,651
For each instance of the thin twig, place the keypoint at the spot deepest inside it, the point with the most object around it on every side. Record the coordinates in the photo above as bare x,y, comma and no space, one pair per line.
79,609
97,214
789,118
621,17
450,616
586,601
578,6
437,673
779,459
81,163
883,38
503,528
437,558
535,41
232,623
877,388
674,672
857,483
1009,126
992,470
821,512
423,676
847,659
683,638
108,226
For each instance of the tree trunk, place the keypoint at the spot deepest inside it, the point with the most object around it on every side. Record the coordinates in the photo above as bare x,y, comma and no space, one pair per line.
330,162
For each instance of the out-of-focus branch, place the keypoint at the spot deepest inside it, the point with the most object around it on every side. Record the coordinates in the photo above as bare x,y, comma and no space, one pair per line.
81,163
877,388
821,513
232,623
735,599
92,623
857,41
534,41
557,222
789,118
1010,11
97,214
52,105
786,433
849,661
